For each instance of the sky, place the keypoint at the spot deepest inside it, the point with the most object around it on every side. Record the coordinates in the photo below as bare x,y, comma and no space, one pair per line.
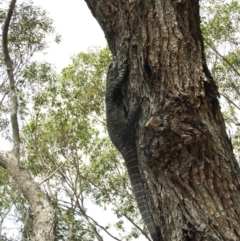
78,28
79,31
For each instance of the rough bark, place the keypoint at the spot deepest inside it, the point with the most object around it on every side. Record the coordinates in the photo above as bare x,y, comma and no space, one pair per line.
44,215
191,176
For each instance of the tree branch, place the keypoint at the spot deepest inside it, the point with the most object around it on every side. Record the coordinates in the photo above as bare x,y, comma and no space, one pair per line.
229,100
13,95
44,215
136,226
234,69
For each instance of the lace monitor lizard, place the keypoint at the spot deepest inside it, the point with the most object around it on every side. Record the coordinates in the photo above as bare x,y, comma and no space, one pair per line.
121,127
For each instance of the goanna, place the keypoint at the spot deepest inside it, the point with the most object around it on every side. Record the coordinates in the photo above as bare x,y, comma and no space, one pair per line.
121,125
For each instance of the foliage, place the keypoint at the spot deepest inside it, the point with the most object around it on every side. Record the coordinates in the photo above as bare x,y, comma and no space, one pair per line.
28,34
67,145
221,28
64,139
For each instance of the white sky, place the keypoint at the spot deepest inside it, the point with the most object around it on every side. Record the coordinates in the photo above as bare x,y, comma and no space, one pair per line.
78,28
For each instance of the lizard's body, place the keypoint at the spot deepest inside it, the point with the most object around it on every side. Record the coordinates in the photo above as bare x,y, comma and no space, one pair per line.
121,127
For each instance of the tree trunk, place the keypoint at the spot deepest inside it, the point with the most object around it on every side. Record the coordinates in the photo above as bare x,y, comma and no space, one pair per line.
190,174
44,214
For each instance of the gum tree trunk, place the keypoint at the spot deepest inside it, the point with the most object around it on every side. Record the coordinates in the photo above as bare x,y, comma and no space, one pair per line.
190,174
43,212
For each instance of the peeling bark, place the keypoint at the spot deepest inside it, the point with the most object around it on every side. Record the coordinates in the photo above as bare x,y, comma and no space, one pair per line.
191,175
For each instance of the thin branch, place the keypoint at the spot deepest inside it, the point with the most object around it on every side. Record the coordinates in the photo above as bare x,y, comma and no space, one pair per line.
13,94
229,100
96,233
136,226
51,174
2,219
83,212
235,70
84,109
1,101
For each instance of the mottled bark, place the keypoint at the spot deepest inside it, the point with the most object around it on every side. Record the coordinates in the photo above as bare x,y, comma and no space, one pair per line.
44,215
190,173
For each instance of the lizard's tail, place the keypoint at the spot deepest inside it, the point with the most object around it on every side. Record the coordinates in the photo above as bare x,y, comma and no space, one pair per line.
138,190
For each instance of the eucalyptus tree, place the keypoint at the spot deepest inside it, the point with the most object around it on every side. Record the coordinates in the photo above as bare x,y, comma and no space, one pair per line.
24,31
190,175
67,148
221,26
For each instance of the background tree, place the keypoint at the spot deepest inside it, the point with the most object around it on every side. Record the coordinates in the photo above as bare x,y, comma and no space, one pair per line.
68,149
220,26
18,45
63,120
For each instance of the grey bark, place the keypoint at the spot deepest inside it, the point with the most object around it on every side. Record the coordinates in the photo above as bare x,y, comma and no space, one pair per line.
190,174
9,66
44,215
